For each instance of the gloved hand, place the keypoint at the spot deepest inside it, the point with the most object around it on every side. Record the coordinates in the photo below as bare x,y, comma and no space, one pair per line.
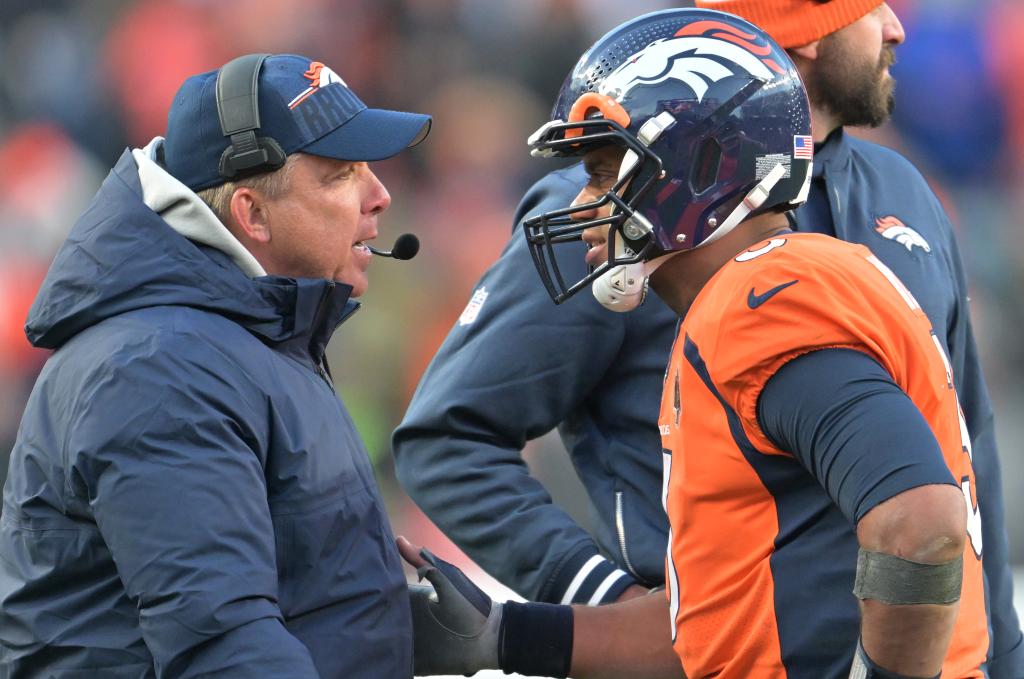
456,625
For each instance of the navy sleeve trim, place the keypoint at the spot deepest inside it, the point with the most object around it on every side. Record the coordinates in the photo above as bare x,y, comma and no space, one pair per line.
589,578
842,416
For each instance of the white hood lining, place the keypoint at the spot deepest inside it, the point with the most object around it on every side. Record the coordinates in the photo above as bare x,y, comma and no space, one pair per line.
185,212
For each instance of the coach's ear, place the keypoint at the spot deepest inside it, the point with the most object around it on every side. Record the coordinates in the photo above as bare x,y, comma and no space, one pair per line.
808,51
249,213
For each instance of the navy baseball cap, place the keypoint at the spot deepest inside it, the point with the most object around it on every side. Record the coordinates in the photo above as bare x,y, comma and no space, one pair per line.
303,105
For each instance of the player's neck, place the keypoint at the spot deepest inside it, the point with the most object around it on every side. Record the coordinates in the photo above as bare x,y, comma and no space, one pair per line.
680,279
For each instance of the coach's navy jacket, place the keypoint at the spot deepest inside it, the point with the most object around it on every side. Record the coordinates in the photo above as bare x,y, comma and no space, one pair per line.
187,495
517,366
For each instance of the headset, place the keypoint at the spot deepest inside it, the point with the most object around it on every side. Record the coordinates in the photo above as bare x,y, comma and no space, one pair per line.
239,112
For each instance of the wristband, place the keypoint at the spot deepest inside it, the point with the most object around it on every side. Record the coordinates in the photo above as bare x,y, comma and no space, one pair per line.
865,668
535,639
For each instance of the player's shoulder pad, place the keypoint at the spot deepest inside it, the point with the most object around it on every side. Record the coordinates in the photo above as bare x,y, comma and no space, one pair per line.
805,257
772,295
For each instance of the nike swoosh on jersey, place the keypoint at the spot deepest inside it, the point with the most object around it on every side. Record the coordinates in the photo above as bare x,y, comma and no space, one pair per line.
755,300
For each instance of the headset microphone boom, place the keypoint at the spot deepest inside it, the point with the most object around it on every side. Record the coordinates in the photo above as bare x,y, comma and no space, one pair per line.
406,246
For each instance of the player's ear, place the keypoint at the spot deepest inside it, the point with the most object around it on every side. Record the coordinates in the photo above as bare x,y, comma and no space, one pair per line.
808,51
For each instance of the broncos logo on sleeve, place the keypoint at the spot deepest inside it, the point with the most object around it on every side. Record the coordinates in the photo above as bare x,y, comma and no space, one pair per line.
894,229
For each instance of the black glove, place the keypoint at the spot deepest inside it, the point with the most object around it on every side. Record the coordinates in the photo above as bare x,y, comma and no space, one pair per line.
456,625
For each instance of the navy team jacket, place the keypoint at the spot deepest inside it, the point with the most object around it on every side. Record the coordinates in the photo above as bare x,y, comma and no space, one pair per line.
516,366
187,495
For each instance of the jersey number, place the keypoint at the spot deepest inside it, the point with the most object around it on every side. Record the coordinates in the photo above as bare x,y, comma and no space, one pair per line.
973,511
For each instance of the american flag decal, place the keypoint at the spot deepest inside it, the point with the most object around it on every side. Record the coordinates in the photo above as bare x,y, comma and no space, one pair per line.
803,146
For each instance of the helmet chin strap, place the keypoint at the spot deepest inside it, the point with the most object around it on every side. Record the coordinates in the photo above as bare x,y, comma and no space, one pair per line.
623,288
753,200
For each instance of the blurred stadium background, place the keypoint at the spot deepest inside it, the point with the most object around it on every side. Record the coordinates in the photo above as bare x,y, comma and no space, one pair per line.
79,81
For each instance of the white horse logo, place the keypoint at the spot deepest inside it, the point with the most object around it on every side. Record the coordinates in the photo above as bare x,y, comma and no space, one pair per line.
318,76
893,229
684,59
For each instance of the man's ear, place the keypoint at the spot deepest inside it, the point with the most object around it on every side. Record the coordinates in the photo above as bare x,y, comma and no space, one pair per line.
249,212
808,51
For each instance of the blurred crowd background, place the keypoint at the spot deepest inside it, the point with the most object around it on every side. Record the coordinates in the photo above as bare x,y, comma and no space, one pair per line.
80,81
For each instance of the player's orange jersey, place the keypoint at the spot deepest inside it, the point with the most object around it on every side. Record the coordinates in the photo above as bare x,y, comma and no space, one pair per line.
761,562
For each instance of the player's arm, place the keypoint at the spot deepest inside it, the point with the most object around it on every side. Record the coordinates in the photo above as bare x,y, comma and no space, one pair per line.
627,640
510,374
459,630
840,413
178,492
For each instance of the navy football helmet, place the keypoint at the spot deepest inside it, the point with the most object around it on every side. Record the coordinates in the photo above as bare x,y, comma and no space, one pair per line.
715,124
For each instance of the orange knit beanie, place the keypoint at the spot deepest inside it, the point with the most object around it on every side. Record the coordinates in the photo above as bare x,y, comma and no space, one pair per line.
794,23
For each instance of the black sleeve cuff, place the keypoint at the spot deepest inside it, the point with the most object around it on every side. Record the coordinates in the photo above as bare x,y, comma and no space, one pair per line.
535,640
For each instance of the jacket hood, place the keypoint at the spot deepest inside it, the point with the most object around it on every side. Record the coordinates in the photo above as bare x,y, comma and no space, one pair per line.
122,256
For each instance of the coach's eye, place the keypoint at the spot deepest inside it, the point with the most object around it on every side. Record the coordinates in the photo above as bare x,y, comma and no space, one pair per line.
344,174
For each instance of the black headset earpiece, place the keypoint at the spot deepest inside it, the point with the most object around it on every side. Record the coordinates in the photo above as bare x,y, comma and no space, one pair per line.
239,112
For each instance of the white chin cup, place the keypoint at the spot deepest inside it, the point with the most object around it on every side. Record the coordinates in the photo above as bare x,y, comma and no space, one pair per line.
624,287
621,288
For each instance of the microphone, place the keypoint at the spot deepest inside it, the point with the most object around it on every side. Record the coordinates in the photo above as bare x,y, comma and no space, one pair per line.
406,246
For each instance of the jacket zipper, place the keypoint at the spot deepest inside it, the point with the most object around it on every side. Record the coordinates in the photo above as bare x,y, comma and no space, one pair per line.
323,375
316,324
620,528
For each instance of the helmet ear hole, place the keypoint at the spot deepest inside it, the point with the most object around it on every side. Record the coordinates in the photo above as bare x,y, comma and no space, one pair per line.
706,162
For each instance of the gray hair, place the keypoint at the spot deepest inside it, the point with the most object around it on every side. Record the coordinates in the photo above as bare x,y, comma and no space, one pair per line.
271,184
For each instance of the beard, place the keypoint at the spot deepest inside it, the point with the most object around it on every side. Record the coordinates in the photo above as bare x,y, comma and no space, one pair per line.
844,84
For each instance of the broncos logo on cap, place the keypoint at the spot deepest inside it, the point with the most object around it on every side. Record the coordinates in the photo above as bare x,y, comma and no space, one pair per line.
319,76
892,228
698,54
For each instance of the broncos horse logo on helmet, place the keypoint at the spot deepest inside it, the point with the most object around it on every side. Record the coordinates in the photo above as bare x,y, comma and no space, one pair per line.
696,61
707,108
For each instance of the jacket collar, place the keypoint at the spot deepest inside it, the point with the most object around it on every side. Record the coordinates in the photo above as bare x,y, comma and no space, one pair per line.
833,153
319,307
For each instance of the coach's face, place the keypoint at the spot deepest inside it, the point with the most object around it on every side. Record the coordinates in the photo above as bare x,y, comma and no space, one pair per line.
849,78
319,225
